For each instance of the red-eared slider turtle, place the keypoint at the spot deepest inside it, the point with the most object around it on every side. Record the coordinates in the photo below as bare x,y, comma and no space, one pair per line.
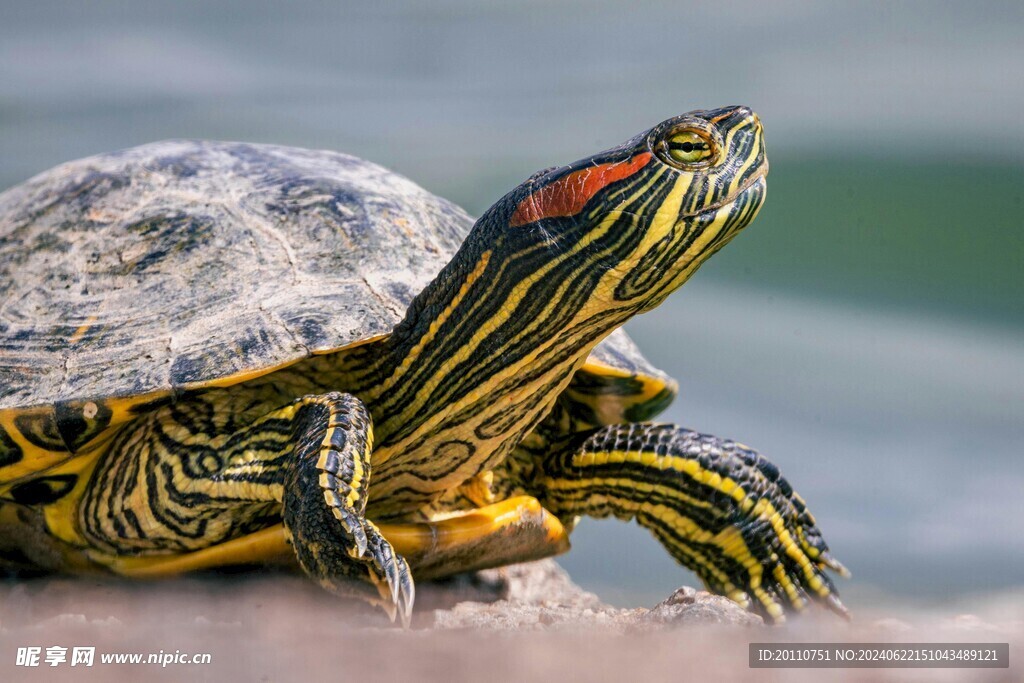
210,352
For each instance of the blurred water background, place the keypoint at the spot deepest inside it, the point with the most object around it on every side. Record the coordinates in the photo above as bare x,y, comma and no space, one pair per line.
865,333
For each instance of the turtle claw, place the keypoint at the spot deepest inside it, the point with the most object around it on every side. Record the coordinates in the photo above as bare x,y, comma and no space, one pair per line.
389,609
359,536
833,602
796,580
390,573
835,565
401,592
408,589
781,535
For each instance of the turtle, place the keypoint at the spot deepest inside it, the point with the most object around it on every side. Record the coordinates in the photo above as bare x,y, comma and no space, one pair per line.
216,354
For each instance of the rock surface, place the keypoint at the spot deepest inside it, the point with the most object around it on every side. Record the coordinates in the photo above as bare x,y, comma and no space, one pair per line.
540,595
526,622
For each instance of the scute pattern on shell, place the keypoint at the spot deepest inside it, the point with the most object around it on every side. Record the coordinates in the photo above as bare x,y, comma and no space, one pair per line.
182,262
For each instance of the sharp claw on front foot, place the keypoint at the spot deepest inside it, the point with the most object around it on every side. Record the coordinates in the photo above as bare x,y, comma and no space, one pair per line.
391,574
408,589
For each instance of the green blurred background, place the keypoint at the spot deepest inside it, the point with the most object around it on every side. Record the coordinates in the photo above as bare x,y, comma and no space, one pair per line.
865,333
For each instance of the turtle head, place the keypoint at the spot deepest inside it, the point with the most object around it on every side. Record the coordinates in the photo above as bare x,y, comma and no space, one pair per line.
574,251
637,220
551,269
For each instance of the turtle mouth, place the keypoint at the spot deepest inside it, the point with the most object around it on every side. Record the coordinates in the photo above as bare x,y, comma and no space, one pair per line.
756,183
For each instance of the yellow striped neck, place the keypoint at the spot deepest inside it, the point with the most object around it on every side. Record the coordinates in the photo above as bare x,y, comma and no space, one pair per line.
545,274
477,375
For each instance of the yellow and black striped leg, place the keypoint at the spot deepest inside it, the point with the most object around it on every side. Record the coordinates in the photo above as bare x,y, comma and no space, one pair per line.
171,494
325,502
718,507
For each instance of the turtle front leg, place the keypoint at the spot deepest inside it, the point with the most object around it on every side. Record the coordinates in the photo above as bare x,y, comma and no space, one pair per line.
173,495
718,507
325,503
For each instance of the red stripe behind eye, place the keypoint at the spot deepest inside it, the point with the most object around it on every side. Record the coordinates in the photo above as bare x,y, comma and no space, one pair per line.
568,195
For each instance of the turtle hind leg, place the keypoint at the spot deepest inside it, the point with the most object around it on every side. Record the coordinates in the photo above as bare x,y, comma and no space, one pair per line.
718,507
325,502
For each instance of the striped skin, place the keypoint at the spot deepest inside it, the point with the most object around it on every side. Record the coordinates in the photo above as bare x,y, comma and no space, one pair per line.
182,481
486,349
718,507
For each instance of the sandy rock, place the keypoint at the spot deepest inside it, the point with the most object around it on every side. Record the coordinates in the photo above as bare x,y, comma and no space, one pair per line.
690,606
541,596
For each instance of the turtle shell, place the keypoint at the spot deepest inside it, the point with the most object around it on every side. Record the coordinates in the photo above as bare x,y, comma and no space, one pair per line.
181,263
184,264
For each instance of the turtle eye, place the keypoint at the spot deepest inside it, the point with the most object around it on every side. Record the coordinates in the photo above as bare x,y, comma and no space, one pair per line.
687,148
